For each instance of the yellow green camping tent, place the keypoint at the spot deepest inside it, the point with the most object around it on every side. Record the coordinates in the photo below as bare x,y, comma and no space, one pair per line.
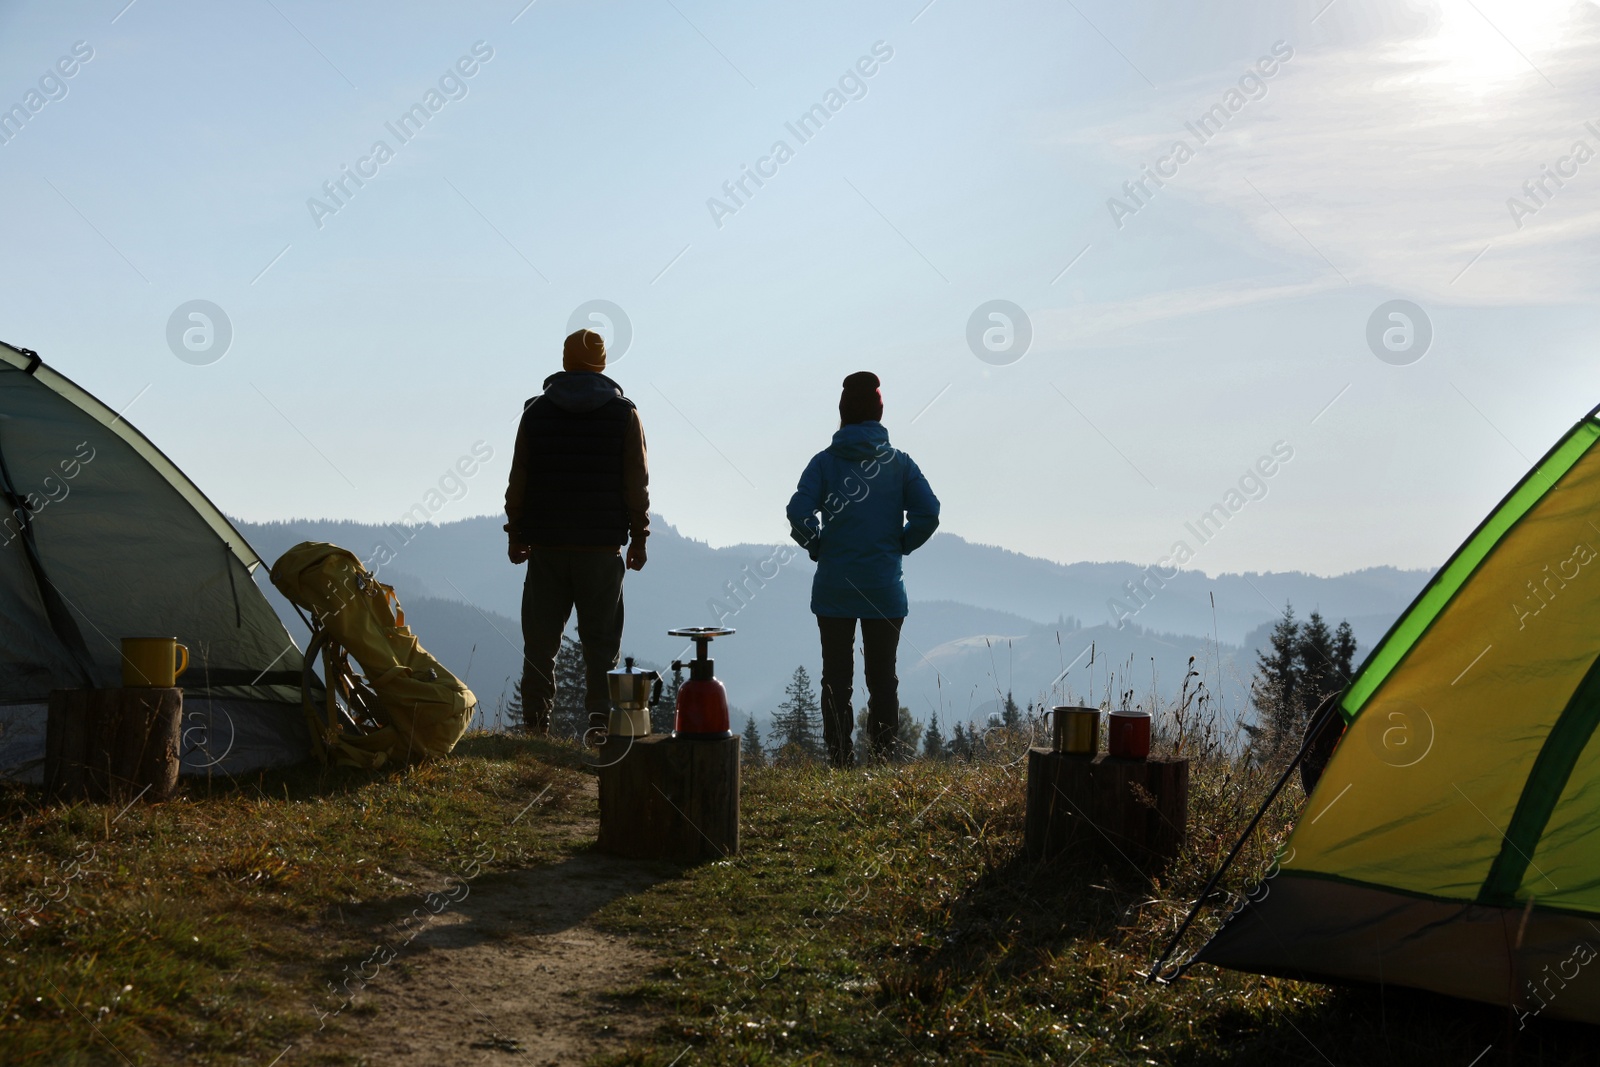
1453,842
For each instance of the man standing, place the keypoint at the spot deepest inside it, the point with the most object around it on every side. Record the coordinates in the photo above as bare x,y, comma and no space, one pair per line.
860,507
579,490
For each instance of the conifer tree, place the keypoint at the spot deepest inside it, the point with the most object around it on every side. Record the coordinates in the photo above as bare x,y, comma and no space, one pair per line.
907,738
797,724
1304,664
932,740
514,712
1010,715
960,743
664,715
570,718
1344,652
1318,669
750,749
1273,690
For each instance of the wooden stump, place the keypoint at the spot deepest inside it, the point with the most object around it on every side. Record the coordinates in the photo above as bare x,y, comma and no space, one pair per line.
1137,810
663,798
113,744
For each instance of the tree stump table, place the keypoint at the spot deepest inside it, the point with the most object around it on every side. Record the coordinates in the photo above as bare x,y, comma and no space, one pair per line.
671,799
113,744
1134,809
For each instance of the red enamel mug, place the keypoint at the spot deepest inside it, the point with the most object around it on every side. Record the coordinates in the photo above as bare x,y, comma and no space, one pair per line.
1129,734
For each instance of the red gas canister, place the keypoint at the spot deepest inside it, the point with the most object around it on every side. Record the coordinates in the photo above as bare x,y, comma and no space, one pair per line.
702,710
1129,735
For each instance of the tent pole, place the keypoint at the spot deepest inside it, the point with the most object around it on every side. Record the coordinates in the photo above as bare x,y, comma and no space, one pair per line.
1328,707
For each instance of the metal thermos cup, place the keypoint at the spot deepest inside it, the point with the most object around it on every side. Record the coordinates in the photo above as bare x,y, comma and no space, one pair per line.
1077,730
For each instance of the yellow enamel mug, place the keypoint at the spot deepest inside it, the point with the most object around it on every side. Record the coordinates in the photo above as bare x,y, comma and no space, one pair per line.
153,662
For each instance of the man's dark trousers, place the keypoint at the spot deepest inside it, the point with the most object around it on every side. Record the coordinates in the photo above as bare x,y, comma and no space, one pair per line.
560,579
880,641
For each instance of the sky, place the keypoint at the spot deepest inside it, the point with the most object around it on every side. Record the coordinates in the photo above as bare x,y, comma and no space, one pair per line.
1182,338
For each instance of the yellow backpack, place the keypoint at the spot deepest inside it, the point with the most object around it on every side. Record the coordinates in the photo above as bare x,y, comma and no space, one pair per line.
408,707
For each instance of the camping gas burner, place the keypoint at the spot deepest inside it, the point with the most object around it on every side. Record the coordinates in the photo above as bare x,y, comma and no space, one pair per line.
702,711
702,637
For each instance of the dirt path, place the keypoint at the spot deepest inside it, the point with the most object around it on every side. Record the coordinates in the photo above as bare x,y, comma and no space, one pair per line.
513,974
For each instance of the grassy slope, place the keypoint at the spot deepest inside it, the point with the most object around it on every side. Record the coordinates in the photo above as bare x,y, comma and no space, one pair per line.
207,929
870,917
888,918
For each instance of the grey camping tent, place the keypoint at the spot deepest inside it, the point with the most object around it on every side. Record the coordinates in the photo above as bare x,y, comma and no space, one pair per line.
103,537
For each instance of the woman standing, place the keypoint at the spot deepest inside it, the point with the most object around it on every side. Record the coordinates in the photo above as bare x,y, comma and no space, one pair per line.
861,505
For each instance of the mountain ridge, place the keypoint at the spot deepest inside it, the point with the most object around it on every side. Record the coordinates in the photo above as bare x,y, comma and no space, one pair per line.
462,596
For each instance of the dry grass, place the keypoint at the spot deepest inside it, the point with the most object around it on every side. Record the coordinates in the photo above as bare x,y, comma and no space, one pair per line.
871,917
206,929
889,917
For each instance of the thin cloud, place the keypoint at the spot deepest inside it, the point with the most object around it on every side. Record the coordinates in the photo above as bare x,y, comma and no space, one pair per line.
1095,325
1388,164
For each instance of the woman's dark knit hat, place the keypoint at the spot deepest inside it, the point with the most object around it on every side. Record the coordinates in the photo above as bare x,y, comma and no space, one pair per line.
861,401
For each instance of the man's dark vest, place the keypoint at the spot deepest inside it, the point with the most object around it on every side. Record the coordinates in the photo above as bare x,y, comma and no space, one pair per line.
572,462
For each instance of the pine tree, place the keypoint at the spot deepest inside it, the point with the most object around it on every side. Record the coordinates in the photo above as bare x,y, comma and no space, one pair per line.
1274,689
933,740
797,724
960,744
1318,670
1344,652
664,714
570,718
514,713
907,738
1010,715
750,750
1305,663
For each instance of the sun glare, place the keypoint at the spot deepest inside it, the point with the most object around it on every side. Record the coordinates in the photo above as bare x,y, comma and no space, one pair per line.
1482,46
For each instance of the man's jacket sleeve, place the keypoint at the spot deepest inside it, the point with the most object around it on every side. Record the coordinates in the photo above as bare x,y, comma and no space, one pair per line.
517,483
922,509
804,525
636,480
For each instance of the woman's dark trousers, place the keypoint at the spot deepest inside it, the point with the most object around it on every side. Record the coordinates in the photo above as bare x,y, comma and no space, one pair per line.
880,640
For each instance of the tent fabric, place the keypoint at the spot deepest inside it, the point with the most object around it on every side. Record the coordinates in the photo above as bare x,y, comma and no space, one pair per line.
218,736
1465,792
99,521
423,708
1317,930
